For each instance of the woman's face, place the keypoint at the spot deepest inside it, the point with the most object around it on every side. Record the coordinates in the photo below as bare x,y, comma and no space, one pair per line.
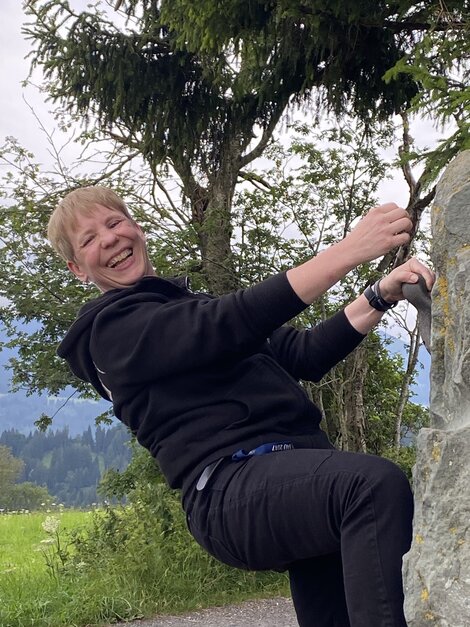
109,249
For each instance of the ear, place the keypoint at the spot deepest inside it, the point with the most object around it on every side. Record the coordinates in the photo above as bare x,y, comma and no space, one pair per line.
75,269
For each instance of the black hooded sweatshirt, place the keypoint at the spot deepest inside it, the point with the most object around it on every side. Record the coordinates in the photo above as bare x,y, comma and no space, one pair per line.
197,378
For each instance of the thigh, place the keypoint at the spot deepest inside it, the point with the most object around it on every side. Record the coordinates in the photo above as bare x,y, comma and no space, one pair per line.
276,509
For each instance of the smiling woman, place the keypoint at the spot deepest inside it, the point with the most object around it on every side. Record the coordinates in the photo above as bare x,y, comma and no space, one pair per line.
210,386
109,250
100,241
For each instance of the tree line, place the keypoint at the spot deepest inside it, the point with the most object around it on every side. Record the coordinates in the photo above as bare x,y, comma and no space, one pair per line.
42,467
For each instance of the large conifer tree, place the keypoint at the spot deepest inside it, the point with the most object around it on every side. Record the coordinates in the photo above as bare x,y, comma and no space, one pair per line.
202,86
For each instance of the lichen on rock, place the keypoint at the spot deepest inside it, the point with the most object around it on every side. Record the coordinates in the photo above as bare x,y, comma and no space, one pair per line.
437,568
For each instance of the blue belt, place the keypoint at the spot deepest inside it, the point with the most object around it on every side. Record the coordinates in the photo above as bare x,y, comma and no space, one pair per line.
240,455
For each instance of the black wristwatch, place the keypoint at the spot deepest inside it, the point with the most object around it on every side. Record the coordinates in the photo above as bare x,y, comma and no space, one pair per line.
373,295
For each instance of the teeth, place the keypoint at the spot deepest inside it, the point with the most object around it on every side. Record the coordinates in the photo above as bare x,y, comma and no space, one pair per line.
115,260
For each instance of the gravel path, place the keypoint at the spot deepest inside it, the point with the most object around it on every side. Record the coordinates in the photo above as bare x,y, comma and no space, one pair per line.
261,613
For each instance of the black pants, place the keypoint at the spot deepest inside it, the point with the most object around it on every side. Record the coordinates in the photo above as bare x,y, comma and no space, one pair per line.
339,522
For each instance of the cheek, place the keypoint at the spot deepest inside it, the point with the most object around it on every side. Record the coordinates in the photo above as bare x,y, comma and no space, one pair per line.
92,259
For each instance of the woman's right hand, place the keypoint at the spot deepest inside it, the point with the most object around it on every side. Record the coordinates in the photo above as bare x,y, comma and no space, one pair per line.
383,228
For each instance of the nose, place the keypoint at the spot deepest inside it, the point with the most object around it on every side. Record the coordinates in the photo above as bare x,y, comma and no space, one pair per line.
108,238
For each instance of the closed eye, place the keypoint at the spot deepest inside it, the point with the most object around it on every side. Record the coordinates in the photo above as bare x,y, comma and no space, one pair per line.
86,241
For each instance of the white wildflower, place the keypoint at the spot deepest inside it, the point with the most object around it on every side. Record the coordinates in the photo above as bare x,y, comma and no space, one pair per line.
51,524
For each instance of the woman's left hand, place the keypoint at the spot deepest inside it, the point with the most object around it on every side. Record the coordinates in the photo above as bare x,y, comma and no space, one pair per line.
391,285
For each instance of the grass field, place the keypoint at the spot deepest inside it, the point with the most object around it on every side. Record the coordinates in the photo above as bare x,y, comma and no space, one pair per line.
21,551
27,589
140,578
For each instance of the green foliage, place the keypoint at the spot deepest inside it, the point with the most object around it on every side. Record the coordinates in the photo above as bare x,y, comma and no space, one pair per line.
299,46
188,80
307,198
16,496
10,467
55,553
141,473
404,457
382,396
26,258
118,563
26,496
439,64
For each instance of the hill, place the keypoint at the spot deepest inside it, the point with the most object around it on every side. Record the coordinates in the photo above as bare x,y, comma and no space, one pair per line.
19,411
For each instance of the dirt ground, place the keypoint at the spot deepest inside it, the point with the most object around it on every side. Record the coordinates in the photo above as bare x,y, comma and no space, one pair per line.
277,612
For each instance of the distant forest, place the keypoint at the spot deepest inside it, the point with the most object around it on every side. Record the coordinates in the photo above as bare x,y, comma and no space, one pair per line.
69,467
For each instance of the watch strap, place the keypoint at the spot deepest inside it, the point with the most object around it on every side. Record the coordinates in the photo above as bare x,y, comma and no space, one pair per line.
373,295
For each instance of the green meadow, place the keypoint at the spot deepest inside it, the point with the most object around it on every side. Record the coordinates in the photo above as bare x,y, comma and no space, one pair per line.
48,580
29,592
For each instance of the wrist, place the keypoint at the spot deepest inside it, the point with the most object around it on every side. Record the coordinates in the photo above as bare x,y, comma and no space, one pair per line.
385,292
361,315
377,299
349,252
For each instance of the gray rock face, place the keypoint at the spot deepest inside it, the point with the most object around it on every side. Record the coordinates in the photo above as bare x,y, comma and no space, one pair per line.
437,569
450,368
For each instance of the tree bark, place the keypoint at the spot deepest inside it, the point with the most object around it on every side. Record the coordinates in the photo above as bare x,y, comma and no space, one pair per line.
354,421
215,238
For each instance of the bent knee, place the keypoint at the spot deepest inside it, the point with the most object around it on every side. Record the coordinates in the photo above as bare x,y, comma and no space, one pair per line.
389,478
379,472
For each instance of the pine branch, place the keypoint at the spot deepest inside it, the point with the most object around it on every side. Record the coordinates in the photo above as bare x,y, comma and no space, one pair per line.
266,136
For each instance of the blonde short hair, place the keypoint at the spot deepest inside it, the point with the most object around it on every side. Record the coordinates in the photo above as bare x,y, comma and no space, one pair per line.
81,201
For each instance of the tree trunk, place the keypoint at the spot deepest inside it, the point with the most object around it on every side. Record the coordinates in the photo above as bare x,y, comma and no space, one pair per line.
211,211
215,235
354,423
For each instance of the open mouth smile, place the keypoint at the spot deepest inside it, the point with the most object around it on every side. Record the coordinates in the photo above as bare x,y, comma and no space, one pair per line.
122,256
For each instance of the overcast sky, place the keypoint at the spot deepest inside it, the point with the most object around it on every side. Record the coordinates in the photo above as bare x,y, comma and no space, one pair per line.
15,117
